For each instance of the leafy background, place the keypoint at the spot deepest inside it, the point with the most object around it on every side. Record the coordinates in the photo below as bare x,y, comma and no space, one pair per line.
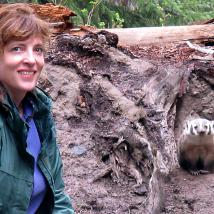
134,13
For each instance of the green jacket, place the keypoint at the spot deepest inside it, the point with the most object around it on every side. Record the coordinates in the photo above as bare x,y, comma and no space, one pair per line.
17,166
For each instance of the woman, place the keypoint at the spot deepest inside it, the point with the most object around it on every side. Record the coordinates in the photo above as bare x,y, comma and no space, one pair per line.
30,163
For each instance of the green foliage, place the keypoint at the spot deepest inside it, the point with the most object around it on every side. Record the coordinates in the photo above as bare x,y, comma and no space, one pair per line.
117,20
135,13
95,13
184,12
140,13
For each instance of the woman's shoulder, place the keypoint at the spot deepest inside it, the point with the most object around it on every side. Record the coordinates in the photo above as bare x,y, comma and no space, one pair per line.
42,96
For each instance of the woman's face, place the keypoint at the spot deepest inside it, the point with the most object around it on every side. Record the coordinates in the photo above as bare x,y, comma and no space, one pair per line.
21,63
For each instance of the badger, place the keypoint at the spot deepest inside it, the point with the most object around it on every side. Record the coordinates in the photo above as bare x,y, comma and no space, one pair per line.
196,146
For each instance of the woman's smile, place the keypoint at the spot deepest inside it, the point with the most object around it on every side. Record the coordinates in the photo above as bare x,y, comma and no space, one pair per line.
28,75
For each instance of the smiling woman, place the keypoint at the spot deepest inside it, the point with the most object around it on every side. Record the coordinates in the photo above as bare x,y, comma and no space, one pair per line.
30,162
21,65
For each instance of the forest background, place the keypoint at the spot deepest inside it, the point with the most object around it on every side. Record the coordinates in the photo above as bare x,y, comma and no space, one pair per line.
134,13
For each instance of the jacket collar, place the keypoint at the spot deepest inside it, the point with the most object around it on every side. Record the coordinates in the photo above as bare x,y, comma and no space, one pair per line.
40,100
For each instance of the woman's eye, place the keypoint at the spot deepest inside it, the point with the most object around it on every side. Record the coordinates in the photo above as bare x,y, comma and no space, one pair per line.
39,50
16,49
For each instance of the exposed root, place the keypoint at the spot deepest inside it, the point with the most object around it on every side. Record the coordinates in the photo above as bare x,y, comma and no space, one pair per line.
121,104
104,172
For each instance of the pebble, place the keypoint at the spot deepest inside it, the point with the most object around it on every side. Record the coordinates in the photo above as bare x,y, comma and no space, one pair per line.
78,150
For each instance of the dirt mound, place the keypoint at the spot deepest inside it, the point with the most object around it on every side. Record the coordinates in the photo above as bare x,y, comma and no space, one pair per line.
119,112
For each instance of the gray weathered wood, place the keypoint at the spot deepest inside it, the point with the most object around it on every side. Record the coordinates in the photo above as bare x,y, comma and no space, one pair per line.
148,35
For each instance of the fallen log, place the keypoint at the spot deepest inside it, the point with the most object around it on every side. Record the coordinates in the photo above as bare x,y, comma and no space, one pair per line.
151,35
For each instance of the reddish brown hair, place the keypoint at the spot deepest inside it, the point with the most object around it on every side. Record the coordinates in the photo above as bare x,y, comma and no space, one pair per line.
18,22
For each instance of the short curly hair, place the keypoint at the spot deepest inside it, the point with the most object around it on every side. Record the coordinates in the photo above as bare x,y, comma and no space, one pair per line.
18,22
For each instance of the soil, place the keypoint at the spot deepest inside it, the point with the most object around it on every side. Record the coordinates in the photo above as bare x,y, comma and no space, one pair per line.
189,194
99,93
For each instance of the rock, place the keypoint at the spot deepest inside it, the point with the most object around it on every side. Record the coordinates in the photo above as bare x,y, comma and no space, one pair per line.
78,150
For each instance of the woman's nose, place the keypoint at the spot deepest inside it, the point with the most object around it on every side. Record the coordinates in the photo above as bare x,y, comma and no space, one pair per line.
30,57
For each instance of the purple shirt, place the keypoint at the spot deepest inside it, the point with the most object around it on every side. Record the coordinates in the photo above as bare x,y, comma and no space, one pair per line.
33,148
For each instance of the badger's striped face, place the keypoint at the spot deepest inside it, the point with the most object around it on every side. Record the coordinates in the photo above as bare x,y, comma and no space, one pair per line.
198,127
187,127
212,127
